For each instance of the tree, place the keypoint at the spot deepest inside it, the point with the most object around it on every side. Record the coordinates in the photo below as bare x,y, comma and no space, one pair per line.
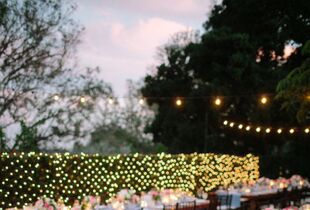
37,42
120,127
295,88
240,56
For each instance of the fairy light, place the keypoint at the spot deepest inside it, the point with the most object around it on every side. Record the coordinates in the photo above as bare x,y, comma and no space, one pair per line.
248,128
141,101
263,100
56,97
279,131
178,102
217,101
231,124
225,122
291,130
110,101
81,175
240,126
268,130
258,129
82,99
307,130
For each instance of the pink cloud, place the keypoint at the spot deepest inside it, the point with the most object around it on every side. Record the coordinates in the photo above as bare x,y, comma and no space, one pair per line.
124,51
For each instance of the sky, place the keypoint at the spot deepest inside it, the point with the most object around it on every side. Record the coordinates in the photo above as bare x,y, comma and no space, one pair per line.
122,36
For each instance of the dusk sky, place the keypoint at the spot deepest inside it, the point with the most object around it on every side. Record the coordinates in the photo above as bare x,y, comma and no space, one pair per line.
121,36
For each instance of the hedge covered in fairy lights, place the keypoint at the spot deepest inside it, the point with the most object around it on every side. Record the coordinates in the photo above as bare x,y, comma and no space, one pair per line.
25,177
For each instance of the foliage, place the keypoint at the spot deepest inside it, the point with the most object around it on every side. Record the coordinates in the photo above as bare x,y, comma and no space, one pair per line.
240,56
37,44
25,177
120,127
295,88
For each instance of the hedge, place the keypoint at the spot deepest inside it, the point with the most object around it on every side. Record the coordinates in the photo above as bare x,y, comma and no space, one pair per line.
27,176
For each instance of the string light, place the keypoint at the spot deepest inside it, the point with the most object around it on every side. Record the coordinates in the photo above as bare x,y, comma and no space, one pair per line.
264,100
141,101
178,102
111,101
72,177
82,99
56,97
217,101
266,129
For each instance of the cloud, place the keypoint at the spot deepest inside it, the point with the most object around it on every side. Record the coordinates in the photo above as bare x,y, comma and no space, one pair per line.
122,36
124,51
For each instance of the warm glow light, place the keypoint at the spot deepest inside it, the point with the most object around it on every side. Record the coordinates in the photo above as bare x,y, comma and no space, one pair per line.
82,99
141,101
240,126
268,130
279,131
178,102
258,129
292,131
307,130
264,100
217,102
248,128
56,97
231,124
225,122
110,100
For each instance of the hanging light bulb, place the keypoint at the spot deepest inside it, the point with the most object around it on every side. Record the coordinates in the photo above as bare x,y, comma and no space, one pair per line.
56,97
141,101
279,131
178,102
268,130
225,122
82,99
217,101
110,101
231,124
240,126
307,130
263,100
248,128
258,129
292,131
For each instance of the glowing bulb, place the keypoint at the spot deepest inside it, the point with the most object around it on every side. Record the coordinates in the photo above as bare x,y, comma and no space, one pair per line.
178,102
292,131
307,130
264,100
258,129
225,122
217,101
110,100
231,124
248,128
141,101
268,130
82,99
279,131
56,97
240,126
